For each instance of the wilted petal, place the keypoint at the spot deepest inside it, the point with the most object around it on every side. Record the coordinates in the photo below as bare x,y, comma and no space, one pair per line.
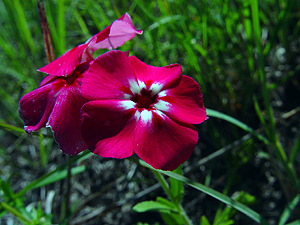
183,102
158,77
115,35
163,143
65,120
108,127
36,106
67,63
108,77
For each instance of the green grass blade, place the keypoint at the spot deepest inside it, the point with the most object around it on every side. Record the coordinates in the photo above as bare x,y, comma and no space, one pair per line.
294,151
177,186
61,27
23,25
37,183
11,127
216,114
296,222
288,210
59,175
215,194
15,212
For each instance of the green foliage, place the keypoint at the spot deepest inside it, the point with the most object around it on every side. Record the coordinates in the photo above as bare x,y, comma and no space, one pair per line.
168,210
154,206
221,44
177,186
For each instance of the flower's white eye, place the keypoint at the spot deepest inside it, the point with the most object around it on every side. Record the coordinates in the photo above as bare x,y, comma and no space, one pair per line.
134,87
155,88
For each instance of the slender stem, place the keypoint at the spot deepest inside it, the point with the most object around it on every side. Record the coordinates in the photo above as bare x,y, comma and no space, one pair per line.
15,212
166,188
68,180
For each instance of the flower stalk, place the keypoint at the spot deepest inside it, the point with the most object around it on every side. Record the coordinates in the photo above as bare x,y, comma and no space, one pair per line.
165,186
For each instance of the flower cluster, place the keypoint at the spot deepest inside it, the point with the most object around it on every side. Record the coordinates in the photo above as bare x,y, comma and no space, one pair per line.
116,105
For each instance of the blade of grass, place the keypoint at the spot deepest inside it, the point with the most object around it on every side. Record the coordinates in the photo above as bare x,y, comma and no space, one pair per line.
295,150
45,179
43,155
296,222
166,188
216,114
22,25
288,210
61,27
215,194
204,25
248,32
82,24
11,127
14,212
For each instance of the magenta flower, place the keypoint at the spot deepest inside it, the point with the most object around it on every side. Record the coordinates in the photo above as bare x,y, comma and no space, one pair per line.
58,100
135,107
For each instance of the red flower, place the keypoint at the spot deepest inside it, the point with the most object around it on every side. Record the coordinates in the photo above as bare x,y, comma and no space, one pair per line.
57,102
135,107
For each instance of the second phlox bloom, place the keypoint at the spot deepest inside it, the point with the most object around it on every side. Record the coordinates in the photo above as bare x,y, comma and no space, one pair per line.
58,100
135,107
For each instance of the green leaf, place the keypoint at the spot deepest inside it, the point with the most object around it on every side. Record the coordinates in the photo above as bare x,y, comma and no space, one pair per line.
244,198
15,212
222,217
11,127
288,210
204,220
172,218
7,191
216,114
166,203
59,175
296,222
177,186
151,206
36,183
215,194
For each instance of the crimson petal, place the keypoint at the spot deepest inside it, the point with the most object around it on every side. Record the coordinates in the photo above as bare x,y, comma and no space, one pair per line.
108,77
183,102
163,77
67,63
36,106
163,143
108,127
65,120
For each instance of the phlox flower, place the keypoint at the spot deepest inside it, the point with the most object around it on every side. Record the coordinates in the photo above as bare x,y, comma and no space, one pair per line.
135,107
57,102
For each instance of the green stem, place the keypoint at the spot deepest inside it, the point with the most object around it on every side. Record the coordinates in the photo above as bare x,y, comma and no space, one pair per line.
166,188
67,213
15,212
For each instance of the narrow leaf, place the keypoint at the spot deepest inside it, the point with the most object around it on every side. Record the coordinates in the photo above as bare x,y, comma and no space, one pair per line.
216,114
59,175
215,194
151,206
288,210
204,221
177,186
